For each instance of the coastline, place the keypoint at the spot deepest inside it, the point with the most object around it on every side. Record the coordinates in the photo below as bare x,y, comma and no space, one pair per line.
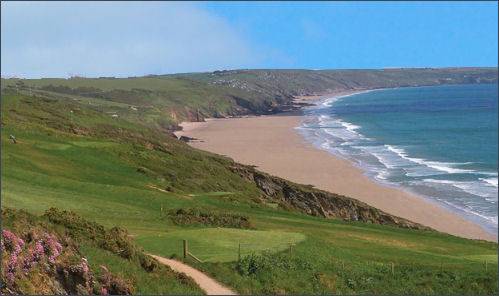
277,148
378,174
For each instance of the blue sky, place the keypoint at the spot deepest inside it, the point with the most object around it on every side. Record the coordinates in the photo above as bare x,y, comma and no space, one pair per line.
58,39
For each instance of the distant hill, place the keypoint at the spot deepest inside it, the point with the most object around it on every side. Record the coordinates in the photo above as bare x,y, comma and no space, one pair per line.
307,82
165,100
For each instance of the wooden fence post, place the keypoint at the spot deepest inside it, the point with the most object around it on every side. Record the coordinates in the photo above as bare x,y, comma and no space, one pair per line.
486,266
185,249
393,268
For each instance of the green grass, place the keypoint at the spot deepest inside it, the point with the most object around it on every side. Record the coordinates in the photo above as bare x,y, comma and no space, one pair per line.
219,244
144,282
481,258
117,171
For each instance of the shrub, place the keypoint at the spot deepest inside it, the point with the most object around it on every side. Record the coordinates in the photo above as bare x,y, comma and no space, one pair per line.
115,240
114,285
193,216
40,262
268,263
42,255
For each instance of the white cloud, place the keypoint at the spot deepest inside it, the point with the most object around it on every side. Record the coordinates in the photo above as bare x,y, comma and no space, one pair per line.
54,39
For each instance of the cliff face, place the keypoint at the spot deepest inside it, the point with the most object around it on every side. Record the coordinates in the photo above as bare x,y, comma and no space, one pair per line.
317,202
272,91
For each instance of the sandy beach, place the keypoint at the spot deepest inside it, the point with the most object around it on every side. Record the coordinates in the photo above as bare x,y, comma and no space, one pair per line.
273,145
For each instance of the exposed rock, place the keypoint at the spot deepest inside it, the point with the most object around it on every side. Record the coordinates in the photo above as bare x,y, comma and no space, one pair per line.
79,130
317,202
186,139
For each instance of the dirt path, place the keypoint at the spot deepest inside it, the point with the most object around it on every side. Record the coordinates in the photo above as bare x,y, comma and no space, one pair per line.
206,283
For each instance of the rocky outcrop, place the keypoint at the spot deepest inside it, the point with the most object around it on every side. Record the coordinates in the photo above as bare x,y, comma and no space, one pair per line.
186,139
317,202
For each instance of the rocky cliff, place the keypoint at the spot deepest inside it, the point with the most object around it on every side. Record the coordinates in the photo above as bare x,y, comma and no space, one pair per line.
316,202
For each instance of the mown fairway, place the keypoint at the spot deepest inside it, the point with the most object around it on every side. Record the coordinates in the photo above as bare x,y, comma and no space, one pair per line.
220,244
120,172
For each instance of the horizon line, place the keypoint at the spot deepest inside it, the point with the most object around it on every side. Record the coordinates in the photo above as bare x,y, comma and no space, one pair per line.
76,76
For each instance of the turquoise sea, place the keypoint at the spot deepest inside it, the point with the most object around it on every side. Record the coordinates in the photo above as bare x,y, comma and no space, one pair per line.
440,142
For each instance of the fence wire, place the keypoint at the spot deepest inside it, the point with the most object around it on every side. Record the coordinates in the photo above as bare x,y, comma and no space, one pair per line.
233,251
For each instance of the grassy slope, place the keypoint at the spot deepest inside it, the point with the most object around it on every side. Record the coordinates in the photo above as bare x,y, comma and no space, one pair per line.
159,102
162,101
298,82
109,170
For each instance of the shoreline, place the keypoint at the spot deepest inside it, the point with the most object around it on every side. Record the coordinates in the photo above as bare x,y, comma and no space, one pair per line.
279,149
369,173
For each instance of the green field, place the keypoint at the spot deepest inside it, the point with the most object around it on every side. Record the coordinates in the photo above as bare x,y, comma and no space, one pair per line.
123,172
220,244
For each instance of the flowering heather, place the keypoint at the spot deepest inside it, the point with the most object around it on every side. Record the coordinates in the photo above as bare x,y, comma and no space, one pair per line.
34,255
48,246
11,241
52,247
38,251
35,265
15,245
84,266
8,237
11,267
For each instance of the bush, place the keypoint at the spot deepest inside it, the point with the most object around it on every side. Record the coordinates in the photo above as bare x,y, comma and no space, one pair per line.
38,260
268,263
193,216
115,240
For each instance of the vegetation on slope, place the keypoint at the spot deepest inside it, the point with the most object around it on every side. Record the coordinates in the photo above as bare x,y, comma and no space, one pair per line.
193,216
284,84
163,101
126,171
62,253
47,130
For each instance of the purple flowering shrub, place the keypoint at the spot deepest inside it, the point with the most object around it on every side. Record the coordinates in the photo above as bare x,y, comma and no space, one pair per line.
44,252
13,245
20,258
30,253
38,258
52,247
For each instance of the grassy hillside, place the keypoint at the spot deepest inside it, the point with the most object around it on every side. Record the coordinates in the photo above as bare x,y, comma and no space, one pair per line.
163,101
126,171
286,83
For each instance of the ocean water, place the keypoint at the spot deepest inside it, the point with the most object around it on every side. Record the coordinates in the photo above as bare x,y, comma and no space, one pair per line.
439,142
